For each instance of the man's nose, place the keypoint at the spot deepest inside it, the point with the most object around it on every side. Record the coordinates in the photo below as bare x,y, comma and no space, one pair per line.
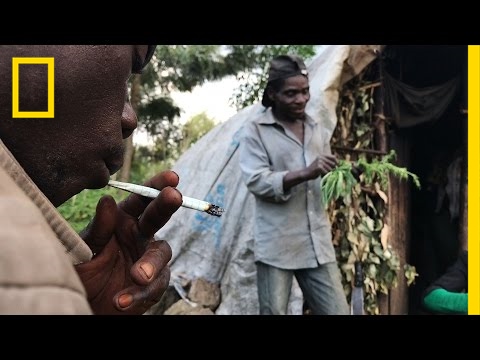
129,120
301,98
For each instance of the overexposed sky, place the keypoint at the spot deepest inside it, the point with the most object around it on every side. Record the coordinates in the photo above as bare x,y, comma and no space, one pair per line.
213,98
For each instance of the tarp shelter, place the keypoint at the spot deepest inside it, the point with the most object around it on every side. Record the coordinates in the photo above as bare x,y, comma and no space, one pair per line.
219,249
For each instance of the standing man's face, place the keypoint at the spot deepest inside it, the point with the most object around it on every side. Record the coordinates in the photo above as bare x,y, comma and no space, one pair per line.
292,97
82,145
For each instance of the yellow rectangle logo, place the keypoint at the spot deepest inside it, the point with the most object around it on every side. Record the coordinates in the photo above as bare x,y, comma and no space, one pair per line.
473,177
16,62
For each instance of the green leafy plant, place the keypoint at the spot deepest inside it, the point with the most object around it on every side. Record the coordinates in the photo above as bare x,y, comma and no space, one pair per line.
338,182
381,170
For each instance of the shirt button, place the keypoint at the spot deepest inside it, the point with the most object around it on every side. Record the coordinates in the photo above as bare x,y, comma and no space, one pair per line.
311,212
309,191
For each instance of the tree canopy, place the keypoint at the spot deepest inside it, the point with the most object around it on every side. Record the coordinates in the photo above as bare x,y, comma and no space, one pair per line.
182,67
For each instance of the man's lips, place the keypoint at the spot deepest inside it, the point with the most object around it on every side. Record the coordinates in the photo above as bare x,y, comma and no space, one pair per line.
298,111
114,165
115,159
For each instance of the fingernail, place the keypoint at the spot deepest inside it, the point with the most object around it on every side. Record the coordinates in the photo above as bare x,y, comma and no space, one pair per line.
179,193
175,174
125,300
147,268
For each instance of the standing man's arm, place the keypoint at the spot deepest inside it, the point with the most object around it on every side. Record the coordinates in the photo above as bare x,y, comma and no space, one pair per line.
319,167
257,172
267,183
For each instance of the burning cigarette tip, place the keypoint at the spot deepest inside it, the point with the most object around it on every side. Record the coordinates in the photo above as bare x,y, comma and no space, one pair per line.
215,210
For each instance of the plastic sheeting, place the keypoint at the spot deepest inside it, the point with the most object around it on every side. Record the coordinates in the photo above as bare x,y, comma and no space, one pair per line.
220,249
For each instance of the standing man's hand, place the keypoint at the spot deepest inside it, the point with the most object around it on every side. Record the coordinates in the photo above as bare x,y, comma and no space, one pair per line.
320,166
129,271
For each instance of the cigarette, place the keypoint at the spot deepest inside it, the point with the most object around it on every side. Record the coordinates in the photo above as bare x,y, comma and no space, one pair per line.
187,202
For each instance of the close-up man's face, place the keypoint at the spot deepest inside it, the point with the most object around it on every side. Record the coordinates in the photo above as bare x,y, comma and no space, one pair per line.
292,97
81,146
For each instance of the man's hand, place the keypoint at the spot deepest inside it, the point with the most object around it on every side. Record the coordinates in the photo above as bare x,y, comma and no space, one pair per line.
320,166
129,270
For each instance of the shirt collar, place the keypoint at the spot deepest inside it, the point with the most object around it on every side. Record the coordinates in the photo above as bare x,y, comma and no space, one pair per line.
269,119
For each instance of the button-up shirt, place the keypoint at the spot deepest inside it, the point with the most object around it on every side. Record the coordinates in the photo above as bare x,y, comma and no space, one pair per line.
291,228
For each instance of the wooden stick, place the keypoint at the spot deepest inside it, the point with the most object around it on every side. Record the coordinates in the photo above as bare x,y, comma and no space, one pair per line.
366,151
369,86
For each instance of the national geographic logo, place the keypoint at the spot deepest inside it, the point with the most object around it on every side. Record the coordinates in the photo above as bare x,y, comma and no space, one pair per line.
16,62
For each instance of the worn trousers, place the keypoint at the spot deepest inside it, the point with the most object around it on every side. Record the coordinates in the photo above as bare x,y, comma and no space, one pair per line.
321,287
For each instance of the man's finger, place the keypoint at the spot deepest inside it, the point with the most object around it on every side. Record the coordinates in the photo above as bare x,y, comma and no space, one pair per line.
102,226
330,161
155,258
159,211
135,205
138,299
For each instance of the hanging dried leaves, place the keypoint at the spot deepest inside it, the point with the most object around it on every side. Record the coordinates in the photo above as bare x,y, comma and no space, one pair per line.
355,195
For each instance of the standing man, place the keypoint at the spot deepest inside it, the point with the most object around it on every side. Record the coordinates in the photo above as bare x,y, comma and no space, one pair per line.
283,154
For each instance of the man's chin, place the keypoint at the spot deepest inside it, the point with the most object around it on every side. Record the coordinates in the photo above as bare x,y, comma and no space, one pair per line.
299,115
